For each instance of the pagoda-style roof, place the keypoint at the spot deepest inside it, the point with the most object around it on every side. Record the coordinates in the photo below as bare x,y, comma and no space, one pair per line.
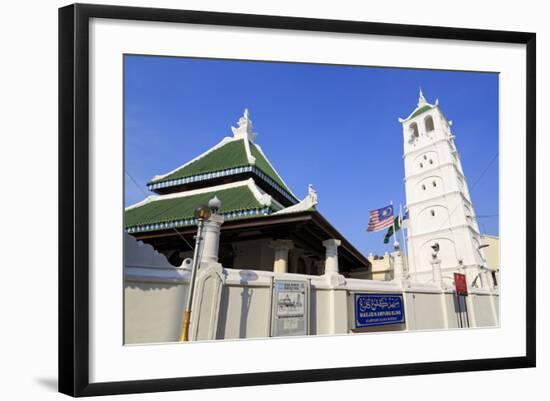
234,158
240,200
255,202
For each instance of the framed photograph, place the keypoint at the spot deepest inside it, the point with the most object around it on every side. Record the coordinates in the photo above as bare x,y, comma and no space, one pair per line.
251,199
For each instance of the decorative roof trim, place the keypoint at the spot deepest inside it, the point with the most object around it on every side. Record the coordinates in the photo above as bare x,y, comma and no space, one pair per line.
245,128
154,198
251,159
199,177
223,142
262,197
269,205
224,173
232,215
306,204
273,168
431,107
421,104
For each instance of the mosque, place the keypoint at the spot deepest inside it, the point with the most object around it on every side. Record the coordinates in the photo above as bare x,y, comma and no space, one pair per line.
262,234
266,227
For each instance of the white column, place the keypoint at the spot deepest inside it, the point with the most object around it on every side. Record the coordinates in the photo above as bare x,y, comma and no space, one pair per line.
399,272
211,233
281,247
211,239
331,255
436,271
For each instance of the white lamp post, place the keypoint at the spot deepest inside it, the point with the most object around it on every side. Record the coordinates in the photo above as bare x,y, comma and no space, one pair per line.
202,213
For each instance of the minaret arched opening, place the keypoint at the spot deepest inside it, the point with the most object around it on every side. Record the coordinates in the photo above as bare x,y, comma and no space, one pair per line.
429,123
414,130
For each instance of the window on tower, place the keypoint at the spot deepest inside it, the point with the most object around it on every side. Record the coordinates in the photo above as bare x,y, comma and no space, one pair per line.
423,187
413,128
429,123
421,165
434,183
432,213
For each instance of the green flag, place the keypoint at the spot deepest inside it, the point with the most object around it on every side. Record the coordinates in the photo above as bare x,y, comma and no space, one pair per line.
389,233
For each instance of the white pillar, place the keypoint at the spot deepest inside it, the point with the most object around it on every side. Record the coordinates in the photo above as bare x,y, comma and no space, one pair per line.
281,247
399,272
436,271
211,234
331,255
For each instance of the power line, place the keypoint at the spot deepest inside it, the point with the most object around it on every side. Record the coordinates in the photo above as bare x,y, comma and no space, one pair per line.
472,187
135,182
484,171
145,194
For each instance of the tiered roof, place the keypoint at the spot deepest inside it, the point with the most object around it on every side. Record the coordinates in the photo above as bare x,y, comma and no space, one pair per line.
235,170
230,159
239,200
251,192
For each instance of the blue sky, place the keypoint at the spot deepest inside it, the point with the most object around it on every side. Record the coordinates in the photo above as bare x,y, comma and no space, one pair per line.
332,126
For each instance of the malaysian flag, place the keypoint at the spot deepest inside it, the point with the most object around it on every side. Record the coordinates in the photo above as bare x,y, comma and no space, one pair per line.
380,218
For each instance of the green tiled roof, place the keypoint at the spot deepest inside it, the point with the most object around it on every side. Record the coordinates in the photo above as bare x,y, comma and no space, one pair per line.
263,165
420,111
232,154
229,156
178,211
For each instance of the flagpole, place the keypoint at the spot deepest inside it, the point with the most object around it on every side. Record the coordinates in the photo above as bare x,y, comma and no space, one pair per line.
395,243
402,224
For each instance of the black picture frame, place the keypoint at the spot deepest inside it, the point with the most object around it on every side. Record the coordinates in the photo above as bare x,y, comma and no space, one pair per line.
74,198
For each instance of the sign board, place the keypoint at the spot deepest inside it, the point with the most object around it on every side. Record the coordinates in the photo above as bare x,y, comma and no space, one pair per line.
378,310
290,308
460,284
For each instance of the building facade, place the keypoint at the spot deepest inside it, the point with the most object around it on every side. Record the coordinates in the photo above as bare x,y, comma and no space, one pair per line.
442,223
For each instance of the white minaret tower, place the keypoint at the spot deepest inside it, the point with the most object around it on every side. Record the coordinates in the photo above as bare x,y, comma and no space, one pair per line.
439,203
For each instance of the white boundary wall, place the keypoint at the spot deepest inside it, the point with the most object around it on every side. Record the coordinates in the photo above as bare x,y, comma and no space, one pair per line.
231,304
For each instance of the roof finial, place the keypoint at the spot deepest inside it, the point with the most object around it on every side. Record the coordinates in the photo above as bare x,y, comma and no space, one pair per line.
214,204
312,194
244,130
421,98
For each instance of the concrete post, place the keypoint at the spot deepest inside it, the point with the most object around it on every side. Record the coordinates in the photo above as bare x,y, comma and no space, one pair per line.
399,272
436,272
281,247
331,255
210,244
211,235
